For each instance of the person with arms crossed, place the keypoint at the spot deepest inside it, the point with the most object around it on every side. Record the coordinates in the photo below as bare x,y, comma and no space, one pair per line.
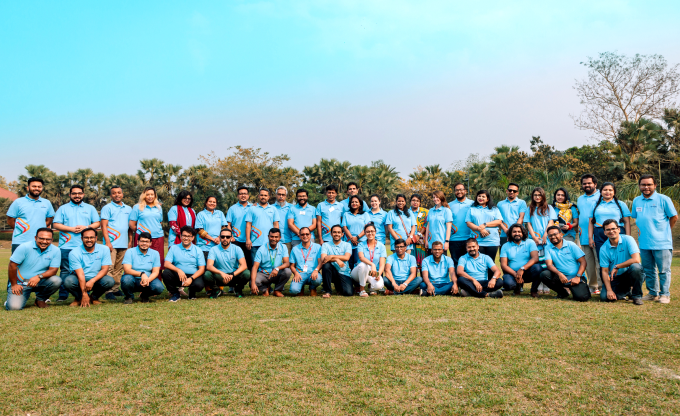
116,235
270,266
334,269
142,267
299,216
304,264
352,190
460,231
353,222
400,272
226,266
90,264
28,214
512,210
474,270
183,204
146,216
484,219
372,255
586,203
519,261
259,220
400,224
284,209
622,273
184,266
567,214
439,222
606,207
33,269
209,223
439,274
328,214
566,265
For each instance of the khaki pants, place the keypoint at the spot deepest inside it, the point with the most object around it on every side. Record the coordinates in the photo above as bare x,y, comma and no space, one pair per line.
592,268
117,272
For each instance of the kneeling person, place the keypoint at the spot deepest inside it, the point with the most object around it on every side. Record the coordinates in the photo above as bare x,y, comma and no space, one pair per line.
566,264
226,266
270,266
184,265
622,273
33,268
142,267
519,261
89,265
439,275
371,264
401,271
335,256
304,263
473,271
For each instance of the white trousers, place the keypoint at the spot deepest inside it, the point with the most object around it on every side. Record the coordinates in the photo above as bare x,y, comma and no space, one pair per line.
360,275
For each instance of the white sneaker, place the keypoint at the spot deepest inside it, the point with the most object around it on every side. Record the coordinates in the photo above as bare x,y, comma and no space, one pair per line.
650,297
665,299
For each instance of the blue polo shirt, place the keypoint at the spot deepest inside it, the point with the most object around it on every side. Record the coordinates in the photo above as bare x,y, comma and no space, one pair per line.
262,220
302,217
286,236
624,250
91,263
479,215
651,217
437,218
565,259
212,223
460,231
118,217
518,254
539,222
355,223
173,216
585,208
265,255
607,210
32,261
378,219
331,214
345,205
330,249
401,268
301,256
187,260
29,214
438,273
72,215
396,222
226,261
149,220
142,262
236,216
379,252
510,211
477,268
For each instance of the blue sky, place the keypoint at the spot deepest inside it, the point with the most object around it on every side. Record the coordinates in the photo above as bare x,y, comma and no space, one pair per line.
104,84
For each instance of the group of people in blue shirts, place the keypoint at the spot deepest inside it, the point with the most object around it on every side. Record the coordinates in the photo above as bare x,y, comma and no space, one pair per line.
574,249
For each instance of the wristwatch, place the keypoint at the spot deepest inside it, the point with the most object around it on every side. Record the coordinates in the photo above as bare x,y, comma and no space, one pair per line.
41,276
521,268
276,268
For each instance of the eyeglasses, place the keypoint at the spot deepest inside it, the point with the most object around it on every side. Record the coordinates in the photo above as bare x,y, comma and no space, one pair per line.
225,236
646,185
78,193
513,191
304,234
281,194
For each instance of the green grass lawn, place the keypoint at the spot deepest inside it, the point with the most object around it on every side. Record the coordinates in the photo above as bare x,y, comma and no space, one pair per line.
380,355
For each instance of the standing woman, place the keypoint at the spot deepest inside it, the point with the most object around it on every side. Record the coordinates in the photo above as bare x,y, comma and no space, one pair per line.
420,214
183,204
439,222
371,265
353,222
539,216
606,207
567,214
146,217
377,216
209,223
484,219
400,224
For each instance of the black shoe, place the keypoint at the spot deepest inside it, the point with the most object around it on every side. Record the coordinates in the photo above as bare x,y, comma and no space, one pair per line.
497,294
463,293
215,293
110,296
118,293
638,302
128,301
145,300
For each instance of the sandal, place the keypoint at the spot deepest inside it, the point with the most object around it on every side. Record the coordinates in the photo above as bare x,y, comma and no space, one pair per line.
326,295
363,294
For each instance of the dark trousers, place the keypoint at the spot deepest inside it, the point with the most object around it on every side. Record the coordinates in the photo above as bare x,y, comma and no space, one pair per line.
600,238
626,284
531,275
469,287
580,292
504,240
14,247
238,282
410,288
343,284
64,271
457,250
491,252
354,259
172,283
264,281
246,254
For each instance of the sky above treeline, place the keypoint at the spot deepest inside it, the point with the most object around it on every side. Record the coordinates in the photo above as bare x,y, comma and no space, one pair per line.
104,84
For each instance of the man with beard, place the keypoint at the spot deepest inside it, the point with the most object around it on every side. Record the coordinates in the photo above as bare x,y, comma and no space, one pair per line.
586,203
270,266
226,267
334,264
299,216
236,221
89,266
566,265
473,273
459,231
512,209
622,273
30,213
70,220
352,189
304,263
328,214
519,261
259,220
400,272
283,207
116,235
142,268
184,266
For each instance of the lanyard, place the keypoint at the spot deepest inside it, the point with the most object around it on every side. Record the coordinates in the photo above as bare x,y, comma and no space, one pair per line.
371,252
272,259
302,249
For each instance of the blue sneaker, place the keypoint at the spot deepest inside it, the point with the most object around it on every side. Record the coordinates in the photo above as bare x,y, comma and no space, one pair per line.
175,297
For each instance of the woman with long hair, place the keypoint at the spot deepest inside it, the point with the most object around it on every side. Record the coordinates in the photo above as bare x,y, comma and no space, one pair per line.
484,219
353,222
146,216
401,224
377,216
607,206
372,257
183,203
420,214
439,222
538,217
567,214
209,223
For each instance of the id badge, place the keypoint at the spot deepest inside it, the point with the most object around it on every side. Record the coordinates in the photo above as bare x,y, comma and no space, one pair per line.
304,269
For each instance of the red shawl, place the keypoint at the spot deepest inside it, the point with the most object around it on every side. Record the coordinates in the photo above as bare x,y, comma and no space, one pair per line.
181,222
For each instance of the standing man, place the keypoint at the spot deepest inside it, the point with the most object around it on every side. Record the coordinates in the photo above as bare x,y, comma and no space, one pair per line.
400,271
655,215
70,220
460,231
270,266
259,220
283,207
352,189
473,272
33,268
328,214
30,213
304,263
334,265
236,221
299,216
116,235
519,261
439,275
226,267
512,210
586,203
184,266
566,265
89,264
622,273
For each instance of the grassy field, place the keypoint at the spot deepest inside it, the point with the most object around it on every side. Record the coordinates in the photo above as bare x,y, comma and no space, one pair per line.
380,355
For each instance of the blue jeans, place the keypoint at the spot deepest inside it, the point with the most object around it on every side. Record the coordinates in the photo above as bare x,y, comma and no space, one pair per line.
99,288
469,287
130,284
624,282
64,271
296,287
415,284
43,291
531,275
439,288
661,260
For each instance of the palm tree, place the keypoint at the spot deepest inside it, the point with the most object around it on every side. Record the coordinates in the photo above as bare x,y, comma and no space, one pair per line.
636,147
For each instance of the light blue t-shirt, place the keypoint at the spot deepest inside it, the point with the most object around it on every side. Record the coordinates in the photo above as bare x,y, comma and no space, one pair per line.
286,236
30,215
72,215
302,217
142,262
624,250
212,223
149,220
262,220
460,231
438,273
510,211
585,208
187,260
574,215
477,268
539,222
378,219
301,256
345,205
118,217
355,223
518,254
396,222
236,216
226,261
437,218
91,263
652,217
378,252
32,261
331,214
330,249
172,216
401,268
565,259
269,258
607,210
479,215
